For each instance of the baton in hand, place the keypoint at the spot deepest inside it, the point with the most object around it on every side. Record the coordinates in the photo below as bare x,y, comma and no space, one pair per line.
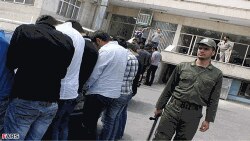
153,127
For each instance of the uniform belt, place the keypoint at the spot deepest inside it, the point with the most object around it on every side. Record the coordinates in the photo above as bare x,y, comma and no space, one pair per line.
185,105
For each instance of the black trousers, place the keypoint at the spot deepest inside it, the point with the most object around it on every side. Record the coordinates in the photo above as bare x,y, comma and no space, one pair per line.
135,83
151,74
94,105
144,67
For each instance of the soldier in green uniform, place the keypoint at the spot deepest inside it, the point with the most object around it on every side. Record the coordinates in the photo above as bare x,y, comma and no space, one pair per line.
191,86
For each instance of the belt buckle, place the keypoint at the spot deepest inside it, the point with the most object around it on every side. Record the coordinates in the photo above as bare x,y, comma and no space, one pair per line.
185,105
182,104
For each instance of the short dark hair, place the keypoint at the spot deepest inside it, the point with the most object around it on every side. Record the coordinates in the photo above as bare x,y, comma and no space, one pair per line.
133,47
101,35
47,19
155,48
76,25
121,41
227,37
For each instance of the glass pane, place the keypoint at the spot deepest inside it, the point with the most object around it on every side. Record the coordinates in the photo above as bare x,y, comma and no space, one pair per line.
73,2
78,3
238,38
64,9
245,90
195,48
183,50
124,19
70,11
185,40
201,32
247,62
121,29
130,20
19,1
29,2
164,26
237,54
248,52
59,7
167,39
75,13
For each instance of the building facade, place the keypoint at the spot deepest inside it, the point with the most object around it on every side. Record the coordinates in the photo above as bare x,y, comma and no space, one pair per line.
186,22
183,24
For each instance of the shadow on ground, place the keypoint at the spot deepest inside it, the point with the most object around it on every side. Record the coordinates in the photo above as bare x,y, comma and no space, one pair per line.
140,107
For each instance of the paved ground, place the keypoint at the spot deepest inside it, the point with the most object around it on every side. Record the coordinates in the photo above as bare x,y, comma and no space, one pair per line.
232,121
231,124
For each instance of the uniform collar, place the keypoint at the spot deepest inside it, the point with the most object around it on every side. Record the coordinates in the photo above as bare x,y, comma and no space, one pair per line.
210,66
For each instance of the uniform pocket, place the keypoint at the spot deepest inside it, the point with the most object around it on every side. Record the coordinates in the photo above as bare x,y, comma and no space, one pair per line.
186,78
207,86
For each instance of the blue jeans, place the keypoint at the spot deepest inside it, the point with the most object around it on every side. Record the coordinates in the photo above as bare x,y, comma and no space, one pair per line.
111,115
30,119
3,107
59,124
122,123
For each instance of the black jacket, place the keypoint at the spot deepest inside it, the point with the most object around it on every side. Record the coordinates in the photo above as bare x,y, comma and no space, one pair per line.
89,59
41,55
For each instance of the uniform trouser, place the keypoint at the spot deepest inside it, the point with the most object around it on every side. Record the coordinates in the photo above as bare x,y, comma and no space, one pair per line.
178,120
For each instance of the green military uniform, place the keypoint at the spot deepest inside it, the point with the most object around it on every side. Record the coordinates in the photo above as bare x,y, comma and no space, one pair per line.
191,87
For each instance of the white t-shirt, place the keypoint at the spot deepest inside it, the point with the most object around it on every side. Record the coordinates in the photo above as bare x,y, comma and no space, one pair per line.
70,83
156,58
156,37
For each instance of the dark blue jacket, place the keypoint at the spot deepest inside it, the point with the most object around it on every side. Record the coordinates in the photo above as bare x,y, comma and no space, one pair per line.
6,77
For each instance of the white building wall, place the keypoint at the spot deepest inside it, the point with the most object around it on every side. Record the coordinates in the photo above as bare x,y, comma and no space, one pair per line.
13,14
205,24
242,4
194,22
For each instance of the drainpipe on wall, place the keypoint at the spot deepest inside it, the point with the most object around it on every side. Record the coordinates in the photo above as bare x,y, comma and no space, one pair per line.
100,13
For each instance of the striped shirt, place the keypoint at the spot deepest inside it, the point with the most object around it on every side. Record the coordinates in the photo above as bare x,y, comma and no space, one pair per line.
129,75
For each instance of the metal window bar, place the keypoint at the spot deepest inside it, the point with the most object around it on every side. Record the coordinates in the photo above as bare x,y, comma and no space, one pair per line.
59,13
244,56
67,9
74,6
73,13
193,45
143,19
218,49
190,44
